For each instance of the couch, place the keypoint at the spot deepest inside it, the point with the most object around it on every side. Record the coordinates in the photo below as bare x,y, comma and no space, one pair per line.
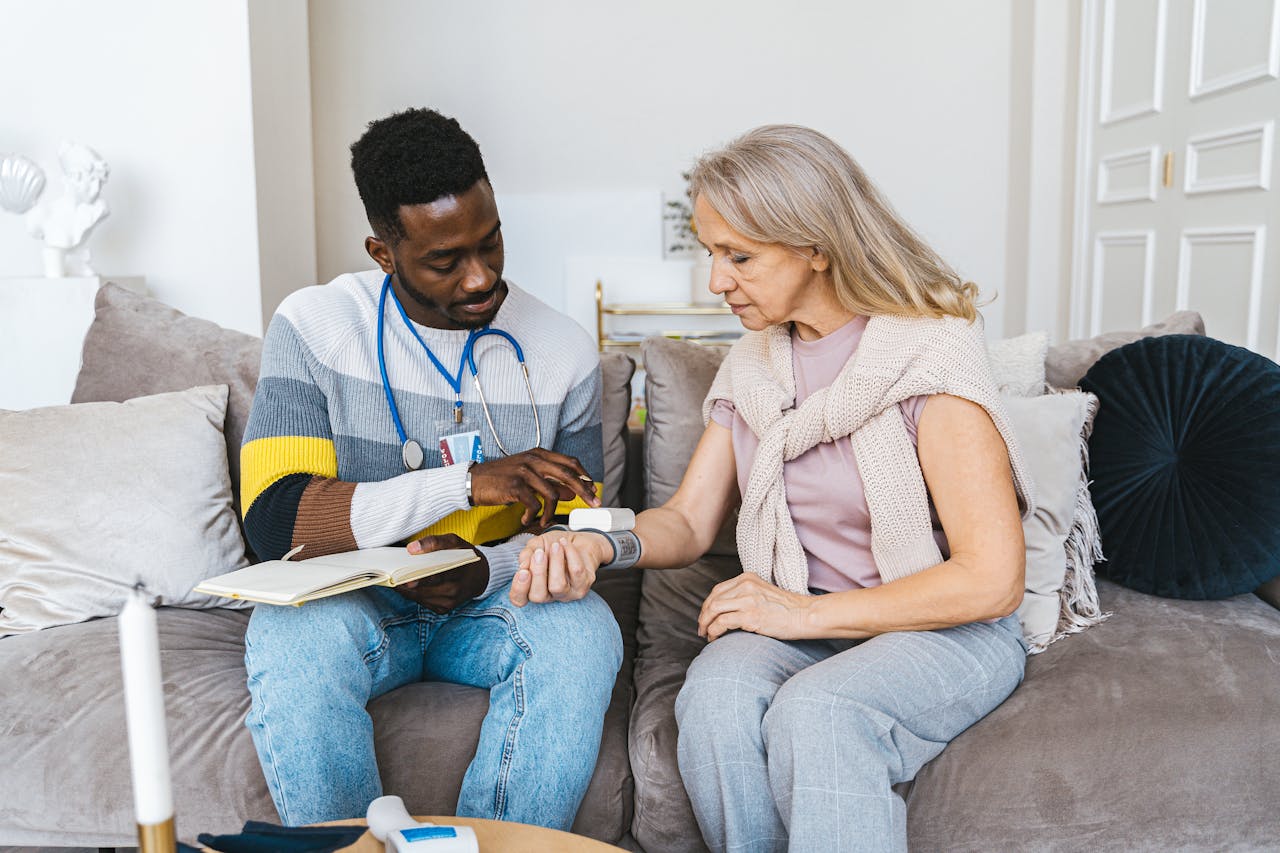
1156,729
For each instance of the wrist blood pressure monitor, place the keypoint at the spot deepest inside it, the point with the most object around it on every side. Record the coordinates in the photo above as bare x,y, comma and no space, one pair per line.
389,822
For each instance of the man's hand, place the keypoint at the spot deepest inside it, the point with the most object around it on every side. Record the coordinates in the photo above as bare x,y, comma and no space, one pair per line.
558,566
447,590
536,478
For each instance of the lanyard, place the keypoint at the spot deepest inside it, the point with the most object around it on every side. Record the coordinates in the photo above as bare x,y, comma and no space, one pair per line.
410,449
453,379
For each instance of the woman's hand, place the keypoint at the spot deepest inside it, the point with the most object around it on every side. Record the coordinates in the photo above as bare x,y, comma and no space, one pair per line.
751,604
559,565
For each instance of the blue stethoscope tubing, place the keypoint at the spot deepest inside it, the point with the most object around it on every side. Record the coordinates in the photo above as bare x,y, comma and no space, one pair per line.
411,451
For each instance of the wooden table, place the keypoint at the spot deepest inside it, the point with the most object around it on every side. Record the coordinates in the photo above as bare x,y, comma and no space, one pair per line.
497,836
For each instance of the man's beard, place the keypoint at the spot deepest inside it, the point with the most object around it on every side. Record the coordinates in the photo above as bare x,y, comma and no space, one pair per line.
464,321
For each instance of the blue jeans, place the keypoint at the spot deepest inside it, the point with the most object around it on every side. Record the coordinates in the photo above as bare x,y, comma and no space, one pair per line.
549,669
796,744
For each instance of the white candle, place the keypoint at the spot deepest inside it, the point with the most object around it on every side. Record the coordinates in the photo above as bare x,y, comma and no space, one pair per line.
144,711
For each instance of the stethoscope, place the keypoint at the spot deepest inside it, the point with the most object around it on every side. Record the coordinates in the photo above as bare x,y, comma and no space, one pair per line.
410,450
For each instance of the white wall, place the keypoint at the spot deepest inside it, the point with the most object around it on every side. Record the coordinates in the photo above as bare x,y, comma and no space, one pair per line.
162,91
281,72
572,95
1046,188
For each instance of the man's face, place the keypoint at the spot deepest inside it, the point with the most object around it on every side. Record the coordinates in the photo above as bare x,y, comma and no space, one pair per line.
447,271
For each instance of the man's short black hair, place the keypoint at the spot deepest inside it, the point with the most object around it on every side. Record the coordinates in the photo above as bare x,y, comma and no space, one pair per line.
412,157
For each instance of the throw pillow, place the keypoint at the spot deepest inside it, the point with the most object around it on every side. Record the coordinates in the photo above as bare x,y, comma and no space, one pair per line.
1062,534
678,375
138,346
1186,466
1017,364
616,370
95,497
1068,362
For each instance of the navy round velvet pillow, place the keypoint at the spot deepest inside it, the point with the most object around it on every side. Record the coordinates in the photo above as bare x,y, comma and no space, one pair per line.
1185,459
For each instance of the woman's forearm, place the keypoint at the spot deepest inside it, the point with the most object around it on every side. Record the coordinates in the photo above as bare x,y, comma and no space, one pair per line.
681,530
667,539
942,596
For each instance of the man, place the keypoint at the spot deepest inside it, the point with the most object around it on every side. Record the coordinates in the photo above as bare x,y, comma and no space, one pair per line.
364,380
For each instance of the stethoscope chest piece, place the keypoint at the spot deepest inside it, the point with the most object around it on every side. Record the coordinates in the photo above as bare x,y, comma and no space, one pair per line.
412,454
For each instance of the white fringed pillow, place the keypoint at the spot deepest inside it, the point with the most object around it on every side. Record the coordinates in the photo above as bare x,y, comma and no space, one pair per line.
1062,534
1018,364
97,496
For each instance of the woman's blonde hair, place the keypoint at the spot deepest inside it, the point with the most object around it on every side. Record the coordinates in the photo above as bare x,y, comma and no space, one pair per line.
793,186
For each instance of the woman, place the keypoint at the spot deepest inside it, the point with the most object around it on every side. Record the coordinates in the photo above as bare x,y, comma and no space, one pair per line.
879,526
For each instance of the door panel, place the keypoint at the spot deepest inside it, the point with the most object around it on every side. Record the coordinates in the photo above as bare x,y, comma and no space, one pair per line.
1132,59
1220,275
1233,42
1195,172
1121,258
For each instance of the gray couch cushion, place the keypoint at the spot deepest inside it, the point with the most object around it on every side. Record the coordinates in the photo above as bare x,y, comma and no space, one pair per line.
668,642
62,744
1156,730
1068,362
1152,731
62,736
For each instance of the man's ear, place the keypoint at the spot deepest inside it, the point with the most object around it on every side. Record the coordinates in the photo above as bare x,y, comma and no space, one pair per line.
381,253
819,260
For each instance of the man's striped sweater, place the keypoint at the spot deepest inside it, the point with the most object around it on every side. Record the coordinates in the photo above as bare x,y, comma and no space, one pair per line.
321,461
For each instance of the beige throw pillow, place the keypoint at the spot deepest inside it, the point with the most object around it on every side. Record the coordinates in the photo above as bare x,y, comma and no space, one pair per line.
678,375
97,496
1067,363
138,346
1062,534
616,370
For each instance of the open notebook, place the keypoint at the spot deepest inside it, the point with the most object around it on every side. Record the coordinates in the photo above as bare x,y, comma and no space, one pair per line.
296,582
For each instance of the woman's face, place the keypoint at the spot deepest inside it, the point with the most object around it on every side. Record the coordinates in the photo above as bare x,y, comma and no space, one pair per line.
764,283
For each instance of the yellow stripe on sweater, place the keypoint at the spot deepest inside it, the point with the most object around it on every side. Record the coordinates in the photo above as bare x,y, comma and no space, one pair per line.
491,523
265,460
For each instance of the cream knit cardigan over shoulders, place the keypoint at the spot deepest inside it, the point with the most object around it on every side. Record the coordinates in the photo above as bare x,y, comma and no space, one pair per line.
897,358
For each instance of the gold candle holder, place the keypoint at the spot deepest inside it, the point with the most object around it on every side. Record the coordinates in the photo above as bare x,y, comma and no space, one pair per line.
158,837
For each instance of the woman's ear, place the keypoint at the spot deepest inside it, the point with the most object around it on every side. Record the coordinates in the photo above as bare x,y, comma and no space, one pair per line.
819,260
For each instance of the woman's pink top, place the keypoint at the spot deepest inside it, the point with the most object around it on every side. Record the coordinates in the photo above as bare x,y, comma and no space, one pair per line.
824,488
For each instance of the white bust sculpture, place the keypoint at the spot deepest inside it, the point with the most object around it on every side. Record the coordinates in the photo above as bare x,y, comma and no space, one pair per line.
64,225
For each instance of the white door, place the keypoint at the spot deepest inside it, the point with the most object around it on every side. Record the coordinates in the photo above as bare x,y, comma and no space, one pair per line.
1177,204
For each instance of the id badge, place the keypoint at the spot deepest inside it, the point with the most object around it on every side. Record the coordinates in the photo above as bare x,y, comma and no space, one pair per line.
461,445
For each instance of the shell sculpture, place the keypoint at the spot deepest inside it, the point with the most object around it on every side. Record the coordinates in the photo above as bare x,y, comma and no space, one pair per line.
21,182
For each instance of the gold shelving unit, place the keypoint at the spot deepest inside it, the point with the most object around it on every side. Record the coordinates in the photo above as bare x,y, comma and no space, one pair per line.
656,309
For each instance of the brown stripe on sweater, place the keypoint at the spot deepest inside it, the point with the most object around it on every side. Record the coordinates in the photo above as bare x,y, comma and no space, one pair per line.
323,522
